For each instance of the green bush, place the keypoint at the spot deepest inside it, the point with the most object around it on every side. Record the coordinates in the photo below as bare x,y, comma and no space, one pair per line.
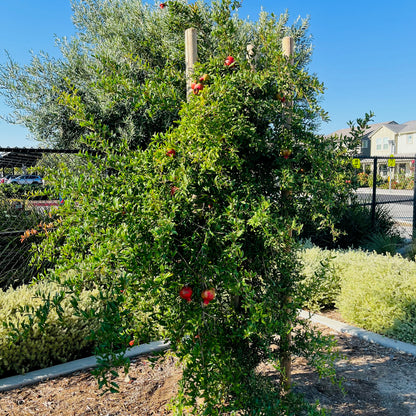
375,292
400,181
355,226
11,190
382,243
378,293
321,281
380,181
362,179
62,339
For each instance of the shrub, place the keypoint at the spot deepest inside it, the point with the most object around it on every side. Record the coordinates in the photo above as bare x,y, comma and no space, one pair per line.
380,181
382,243
207,208
362,179
409,250
62,339
378,293
375,292
355,228
321,278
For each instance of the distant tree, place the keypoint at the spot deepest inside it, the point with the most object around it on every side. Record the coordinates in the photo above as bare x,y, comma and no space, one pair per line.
144,46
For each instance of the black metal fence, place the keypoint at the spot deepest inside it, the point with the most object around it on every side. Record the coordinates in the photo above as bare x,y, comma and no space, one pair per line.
388,181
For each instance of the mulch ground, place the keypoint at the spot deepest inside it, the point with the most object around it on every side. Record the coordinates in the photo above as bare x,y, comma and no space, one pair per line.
377,381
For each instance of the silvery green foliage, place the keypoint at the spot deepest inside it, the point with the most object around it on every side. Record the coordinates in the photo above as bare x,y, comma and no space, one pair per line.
142,43
27,343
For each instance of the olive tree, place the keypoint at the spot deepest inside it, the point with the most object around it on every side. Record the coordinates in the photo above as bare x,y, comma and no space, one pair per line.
143,44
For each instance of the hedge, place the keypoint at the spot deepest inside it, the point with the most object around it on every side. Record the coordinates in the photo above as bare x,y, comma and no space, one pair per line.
375,292
321,283
62,340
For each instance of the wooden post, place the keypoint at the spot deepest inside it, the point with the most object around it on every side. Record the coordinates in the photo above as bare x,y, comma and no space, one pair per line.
191,56
251,56
288,47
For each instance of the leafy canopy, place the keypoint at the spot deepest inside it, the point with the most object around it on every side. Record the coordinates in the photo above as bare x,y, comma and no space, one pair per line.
211,202
144,46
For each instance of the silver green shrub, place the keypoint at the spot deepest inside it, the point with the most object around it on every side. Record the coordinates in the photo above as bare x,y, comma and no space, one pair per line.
321,278
378,293
64,339
375,292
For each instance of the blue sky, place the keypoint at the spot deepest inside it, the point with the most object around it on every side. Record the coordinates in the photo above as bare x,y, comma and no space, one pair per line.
364,52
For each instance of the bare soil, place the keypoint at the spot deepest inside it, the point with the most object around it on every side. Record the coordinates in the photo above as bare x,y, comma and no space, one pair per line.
377,381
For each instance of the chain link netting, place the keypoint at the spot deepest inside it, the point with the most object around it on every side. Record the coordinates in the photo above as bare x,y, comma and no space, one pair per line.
388,182
25,203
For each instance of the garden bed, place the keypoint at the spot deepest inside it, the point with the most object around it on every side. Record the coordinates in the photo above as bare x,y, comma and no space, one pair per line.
377,381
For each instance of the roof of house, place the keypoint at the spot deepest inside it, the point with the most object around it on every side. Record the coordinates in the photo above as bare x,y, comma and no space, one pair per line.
408,127
371,129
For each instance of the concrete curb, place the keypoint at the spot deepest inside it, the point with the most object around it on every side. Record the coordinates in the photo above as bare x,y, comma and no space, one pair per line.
361,333
59,370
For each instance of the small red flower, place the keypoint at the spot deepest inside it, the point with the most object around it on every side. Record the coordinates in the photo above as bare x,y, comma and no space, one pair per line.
173,189
162,5
131,343
171,153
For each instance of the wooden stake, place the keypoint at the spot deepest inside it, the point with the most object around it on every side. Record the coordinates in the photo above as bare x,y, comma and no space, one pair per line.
251,56
288,48
191,56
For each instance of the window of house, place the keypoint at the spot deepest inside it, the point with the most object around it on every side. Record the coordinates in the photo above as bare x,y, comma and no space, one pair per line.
385,143
382,169
365,144
409,139
378,144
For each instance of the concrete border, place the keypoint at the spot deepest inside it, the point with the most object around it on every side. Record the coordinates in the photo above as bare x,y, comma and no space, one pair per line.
59,370
361,333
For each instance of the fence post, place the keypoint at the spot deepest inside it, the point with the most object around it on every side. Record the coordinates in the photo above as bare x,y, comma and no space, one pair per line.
191,56
414,202
373,201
